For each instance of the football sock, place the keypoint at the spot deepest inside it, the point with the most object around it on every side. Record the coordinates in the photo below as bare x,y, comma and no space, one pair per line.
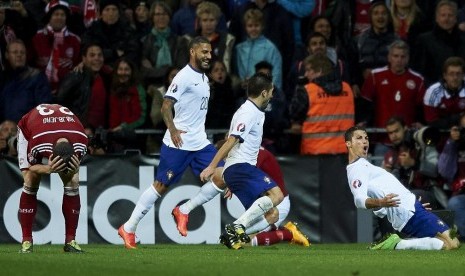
272,237
143,206
261,225
207,192
258,208
420,244
27,211
71,208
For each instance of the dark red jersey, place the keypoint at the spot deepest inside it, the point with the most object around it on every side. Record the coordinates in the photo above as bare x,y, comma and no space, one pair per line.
43,126
268,163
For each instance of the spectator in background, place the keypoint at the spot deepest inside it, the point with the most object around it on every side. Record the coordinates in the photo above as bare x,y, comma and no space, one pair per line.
461,19
161,48
114,35
299,9
257,48
7,34
392,90
444,41
128,106
276,114
402,160
276,26
8,131
445,100
21,86
321,24
408,20
322,109
21,21
208,16
370,48
56,50
86,93
185,19
451,167
222,102
142,20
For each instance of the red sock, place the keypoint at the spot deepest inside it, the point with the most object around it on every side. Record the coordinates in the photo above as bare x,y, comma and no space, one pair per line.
71,208
27,213
272,237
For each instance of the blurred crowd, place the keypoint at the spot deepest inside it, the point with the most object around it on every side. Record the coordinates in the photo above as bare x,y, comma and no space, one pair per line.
394,66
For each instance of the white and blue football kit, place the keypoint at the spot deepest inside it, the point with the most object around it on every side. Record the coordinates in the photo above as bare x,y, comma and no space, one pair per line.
410,217
241,175
190,91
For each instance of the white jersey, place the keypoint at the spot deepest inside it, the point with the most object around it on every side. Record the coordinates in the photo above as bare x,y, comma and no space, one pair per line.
367,180
191,91
247,125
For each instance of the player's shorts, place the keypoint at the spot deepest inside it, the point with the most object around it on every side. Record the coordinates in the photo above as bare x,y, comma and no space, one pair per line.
23,161
424,223
174,161
247,182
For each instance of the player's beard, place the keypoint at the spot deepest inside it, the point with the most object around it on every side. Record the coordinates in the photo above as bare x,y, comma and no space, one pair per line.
200,64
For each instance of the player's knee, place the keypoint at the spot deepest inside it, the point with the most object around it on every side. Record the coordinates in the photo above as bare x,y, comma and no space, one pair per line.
272,216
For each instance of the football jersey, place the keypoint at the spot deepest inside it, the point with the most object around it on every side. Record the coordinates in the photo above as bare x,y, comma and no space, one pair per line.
247,126
190,90
42,127
394,95
366,180
438,103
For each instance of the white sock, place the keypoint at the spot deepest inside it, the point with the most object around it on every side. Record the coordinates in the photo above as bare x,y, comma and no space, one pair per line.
143,206
420,244
259,226
254,241
206,193
258,208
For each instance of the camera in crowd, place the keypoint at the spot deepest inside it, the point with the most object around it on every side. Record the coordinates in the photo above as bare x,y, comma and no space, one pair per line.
107,139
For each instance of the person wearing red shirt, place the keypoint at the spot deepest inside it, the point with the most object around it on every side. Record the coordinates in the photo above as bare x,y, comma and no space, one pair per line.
53,132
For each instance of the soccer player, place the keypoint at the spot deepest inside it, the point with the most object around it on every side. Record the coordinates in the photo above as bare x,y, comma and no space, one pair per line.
50,131
257,192
185,142
375,188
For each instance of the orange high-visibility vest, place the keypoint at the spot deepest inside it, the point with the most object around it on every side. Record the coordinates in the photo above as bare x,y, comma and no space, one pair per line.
328,117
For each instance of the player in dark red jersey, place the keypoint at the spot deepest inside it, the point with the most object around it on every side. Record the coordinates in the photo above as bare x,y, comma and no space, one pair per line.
268,230
53,132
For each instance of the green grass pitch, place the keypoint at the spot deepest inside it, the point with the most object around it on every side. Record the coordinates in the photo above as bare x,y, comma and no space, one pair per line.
282,259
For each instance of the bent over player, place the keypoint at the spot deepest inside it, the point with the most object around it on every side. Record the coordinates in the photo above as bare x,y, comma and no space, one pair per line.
375,188
50,131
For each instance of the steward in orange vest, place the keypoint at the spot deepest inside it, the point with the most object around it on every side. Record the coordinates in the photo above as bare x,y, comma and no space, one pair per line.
329,108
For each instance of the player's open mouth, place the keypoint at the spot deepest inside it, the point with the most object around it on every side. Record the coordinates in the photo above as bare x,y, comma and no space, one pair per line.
365,149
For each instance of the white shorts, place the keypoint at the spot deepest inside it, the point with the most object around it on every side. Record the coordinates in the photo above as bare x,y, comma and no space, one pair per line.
22,151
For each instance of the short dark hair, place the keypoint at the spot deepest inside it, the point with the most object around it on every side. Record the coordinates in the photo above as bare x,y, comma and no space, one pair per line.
65,150
319,62
396,119
85,48
453,61
263,65
198,40
257,83
350,132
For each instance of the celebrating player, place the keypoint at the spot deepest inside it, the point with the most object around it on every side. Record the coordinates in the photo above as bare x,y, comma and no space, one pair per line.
185,142
50,131
257,192
375,188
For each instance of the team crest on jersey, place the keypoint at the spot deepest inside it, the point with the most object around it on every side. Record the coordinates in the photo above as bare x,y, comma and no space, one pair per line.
173,88
69,52
169,174
240,127
410,84
356,183
267,180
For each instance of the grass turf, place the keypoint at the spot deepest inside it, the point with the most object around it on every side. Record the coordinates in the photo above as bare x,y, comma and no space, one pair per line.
282,259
